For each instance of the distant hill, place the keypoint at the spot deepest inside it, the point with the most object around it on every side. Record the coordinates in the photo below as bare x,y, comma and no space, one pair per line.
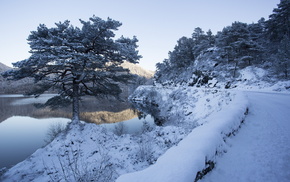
138,70
3,67
13,87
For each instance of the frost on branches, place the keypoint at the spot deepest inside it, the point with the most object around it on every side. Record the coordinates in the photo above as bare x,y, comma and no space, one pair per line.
77,61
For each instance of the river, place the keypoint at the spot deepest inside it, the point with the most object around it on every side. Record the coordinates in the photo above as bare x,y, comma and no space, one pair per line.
24,128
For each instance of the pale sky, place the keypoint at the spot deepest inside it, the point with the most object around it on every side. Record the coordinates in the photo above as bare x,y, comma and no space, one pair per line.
158,24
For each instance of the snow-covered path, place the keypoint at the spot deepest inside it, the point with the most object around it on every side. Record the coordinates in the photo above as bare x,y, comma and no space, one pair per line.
260,152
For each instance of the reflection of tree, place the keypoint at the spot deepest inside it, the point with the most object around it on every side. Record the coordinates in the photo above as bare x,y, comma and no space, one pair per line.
94,111
108,117
97,117
8,110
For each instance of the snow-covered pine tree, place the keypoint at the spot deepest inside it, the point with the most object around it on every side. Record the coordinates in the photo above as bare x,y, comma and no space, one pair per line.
278,32
283,55
278,25
77,61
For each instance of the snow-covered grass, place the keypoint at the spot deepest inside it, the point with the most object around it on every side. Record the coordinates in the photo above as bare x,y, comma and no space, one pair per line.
196,124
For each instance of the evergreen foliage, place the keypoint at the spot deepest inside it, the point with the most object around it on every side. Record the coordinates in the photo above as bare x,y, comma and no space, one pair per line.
202,57
278,25
77,61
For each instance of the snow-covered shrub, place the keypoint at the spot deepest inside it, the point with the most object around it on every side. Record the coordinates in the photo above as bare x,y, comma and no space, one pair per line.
2,171
145,150
53,130
146,127
70,166
119,129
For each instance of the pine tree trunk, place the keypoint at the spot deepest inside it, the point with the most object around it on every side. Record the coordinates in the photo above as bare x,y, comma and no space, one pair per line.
75,106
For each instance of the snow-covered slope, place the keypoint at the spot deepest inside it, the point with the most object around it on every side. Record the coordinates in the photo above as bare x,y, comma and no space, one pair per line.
181,105
91,152
254,78
212,68
198,151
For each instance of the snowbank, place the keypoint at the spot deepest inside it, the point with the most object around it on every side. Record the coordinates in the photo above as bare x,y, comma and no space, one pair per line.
198,150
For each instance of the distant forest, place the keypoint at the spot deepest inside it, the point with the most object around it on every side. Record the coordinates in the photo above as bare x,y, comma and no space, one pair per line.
203,56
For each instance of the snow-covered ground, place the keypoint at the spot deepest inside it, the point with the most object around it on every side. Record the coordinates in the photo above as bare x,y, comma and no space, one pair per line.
197,135
198,150
257,79
261,150
93,152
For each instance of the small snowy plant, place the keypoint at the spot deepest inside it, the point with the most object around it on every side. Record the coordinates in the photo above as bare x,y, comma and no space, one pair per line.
70,166
146,127
53,130
145,150
119,129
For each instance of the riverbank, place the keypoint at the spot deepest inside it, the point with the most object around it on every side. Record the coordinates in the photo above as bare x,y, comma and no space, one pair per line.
89,151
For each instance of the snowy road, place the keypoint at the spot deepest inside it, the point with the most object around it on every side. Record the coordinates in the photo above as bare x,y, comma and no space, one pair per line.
260,152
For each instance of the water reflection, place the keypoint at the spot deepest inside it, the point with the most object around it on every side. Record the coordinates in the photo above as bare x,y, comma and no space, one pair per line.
131,126
92,110
21,136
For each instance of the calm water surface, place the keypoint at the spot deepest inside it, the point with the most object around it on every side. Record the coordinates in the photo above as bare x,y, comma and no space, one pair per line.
21,136
23,128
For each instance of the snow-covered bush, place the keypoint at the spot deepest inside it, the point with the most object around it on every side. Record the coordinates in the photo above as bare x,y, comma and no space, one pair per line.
119,129
53,130
146,127
145,150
